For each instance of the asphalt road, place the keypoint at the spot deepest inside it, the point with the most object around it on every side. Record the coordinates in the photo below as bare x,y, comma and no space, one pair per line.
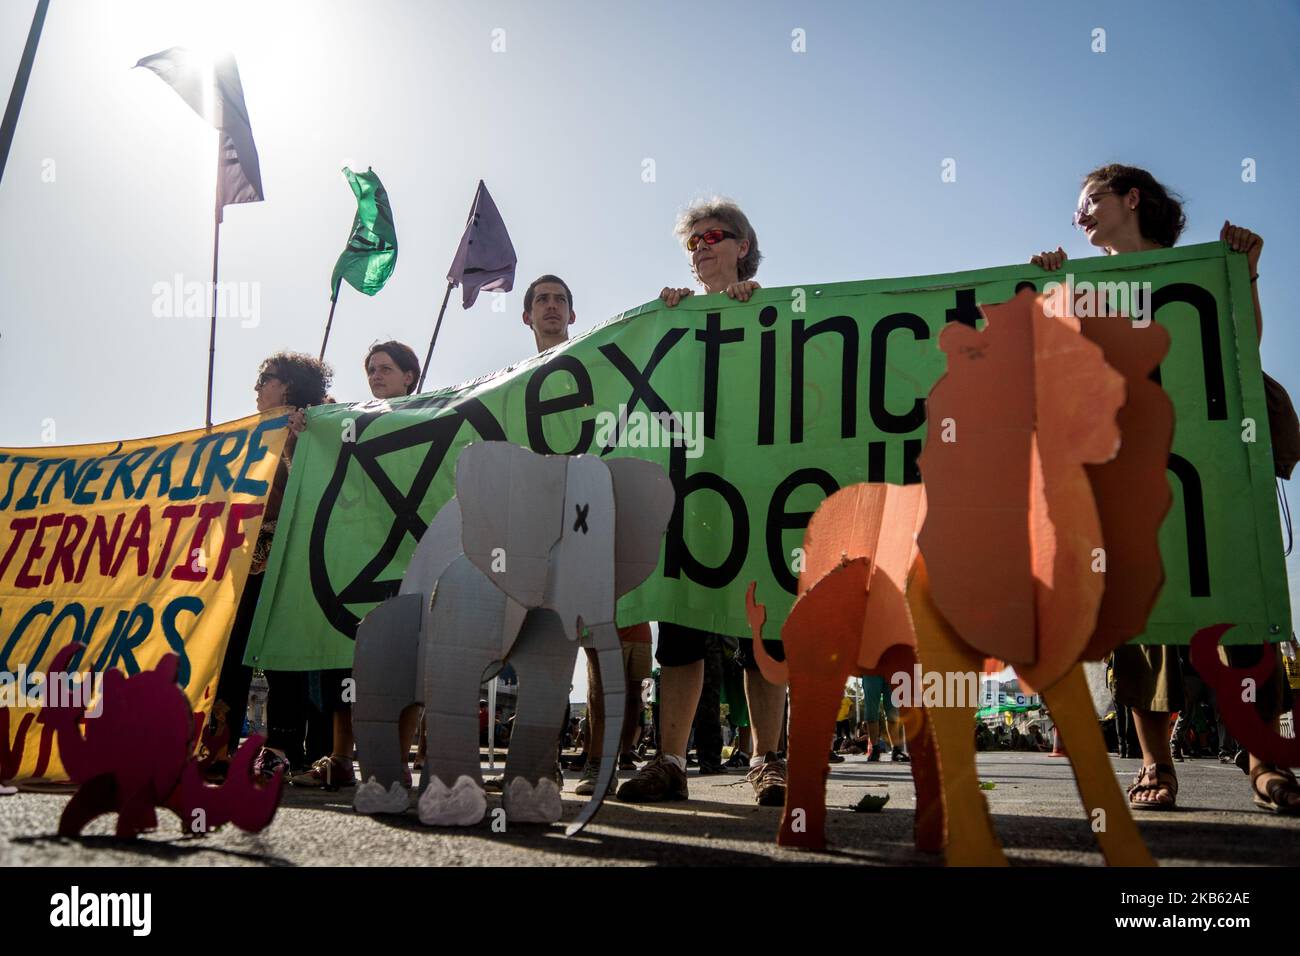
1034,804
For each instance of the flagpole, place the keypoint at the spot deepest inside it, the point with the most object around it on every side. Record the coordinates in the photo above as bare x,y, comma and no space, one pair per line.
334,300
425,371
10,122
212,326
216,245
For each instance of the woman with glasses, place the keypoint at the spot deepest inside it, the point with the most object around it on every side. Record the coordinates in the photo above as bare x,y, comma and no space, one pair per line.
297,381
724,256
1125,209
723,249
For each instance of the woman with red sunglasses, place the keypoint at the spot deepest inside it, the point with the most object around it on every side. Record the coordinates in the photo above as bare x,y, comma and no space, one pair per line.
723,249
724,257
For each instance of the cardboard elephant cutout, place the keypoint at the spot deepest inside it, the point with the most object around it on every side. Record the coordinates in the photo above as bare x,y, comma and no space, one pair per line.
524,565
850,617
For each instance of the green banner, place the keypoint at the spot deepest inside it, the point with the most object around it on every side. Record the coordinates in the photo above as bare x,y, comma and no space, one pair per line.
778,401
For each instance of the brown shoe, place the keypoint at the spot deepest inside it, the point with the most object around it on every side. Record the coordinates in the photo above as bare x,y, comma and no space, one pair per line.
768,779
327,773
660,779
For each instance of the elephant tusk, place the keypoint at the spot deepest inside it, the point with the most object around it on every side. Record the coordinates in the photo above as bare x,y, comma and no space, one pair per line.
609,656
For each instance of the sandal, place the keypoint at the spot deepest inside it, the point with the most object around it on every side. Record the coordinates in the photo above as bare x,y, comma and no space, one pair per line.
1154,777
1272,799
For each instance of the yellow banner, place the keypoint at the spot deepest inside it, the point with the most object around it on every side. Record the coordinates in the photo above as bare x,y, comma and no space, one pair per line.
135,549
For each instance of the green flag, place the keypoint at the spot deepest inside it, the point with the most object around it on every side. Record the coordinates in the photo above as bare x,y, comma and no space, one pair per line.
371,253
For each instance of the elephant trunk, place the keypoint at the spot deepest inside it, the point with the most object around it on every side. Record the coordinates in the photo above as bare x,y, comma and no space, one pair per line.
773,672
613,682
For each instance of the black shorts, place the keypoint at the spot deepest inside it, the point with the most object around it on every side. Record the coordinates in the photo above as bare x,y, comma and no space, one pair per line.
332,687
679,645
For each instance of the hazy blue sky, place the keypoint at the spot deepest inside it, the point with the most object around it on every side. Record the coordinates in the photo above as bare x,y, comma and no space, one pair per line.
835,153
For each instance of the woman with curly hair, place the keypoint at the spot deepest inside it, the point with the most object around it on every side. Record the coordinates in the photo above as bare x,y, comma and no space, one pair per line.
297,381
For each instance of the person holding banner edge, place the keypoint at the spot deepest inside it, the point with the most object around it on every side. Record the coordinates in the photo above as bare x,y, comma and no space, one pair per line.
548,311
392,371
724,254
1125,209
284,379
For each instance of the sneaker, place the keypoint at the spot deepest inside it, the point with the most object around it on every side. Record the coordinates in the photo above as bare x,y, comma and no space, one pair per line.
267,762
627,761
712,770
327,773
900,756
587,782
768,779
738,759
835,758
658,780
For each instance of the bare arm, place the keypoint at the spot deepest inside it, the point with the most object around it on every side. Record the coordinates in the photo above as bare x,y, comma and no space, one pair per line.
1240,239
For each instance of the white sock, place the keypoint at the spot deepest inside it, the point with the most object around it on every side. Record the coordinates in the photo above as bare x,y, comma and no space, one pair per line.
758,760
676,761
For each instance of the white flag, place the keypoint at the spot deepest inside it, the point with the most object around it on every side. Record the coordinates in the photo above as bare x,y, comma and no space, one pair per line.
212,89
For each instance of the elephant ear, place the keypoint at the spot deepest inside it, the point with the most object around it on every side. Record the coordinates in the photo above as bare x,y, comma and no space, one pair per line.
439,546
643,501
512,513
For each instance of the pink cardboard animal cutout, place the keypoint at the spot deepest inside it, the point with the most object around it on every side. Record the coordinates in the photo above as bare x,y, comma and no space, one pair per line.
137,755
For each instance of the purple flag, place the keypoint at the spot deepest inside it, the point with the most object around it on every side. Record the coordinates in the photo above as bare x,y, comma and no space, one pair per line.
485,261
212,89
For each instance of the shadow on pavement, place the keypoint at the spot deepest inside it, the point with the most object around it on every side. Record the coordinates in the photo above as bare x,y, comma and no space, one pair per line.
170,851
